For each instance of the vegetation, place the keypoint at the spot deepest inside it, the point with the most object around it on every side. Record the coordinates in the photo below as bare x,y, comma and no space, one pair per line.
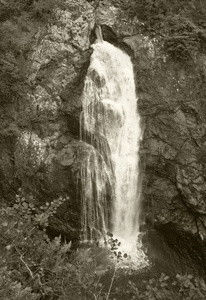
181,288
181,24
19,21
34,267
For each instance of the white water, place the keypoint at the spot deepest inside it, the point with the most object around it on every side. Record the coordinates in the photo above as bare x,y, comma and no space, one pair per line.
110,125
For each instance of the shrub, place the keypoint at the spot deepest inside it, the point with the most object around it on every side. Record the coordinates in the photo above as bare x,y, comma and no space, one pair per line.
179,23
19,23
183,287
34,267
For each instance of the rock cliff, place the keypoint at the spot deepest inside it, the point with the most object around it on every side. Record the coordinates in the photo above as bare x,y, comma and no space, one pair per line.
44,157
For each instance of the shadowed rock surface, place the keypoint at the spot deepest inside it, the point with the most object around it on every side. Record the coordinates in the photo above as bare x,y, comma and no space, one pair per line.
171,103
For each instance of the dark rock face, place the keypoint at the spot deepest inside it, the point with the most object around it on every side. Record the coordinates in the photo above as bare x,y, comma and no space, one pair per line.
176,251
171,104
44,158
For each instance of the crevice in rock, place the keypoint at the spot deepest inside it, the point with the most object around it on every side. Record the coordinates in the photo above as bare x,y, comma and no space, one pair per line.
190,211
111,37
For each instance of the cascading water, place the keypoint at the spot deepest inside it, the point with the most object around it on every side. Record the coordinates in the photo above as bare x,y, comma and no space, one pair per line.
110,125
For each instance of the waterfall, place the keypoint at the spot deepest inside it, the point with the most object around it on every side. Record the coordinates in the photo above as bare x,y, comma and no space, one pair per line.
110,126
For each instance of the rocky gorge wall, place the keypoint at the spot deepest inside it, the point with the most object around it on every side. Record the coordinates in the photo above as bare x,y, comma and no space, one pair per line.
45,157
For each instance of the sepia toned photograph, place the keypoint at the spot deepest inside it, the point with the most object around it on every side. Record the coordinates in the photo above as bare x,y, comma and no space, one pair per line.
102,149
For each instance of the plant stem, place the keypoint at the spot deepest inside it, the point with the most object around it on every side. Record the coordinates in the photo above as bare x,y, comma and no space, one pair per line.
108,294
30,272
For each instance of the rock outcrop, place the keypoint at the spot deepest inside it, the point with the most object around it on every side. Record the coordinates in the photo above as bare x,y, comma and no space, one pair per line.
45,158
171,102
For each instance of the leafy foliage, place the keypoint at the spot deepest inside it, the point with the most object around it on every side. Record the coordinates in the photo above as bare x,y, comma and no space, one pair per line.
114,245
34,267
180,23
184,287
19,21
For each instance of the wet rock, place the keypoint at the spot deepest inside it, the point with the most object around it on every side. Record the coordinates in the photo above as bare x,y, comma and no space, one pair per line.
174,131
171,103
176,251
44,159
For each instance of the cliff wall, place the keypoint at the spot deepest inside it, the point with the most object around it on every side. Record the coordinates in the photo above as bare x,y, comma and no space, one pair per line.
41,151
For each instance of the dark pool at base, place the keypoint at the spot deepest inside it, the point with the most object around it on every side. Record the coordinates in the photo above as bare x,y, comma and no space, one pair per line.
174,251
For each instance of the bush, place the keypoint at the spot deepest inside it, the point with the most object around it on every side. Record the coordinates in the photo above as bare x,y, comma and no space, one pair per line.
19,23
34,267
179,23
184,287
